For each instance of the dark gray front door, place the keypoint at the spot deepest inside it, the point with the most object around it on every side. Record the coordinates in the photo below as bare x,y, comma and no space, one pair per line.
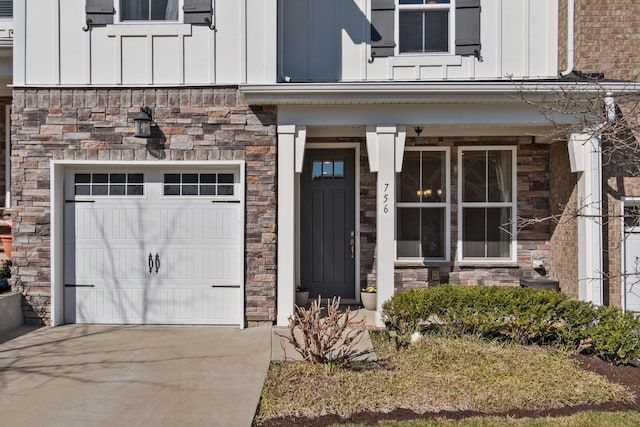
327,223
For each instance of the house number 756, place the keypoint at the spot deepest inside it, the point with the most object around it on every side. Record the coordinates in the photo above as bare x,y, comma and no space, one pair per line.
385,199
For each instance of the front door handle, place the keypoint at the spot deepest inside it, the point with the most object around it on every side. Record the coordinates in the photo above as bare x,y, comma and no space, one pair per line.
150,263
352,242
157,262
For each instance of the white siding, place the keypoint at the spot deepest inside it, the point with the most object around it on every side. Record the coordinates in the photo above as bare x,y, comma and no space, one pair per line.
55,50
42,41
327,40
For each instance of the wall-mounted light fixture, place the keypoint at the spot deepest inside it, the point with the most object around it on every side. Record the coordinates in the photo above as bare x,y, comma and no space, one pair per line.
417,130
143,123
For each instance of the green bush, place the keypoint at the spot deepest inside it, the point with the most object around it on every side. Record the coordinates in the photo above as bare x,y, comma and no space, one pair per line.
521,315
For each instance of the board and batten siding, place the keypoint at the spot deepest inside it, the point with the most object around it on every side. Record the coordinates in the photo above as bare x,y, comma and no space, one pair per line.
328,40
52,49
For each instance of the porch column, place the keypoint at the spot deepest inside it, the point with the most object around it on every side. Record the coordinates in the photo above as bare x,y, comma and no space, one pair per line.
286,224
586,159
385,145
291,142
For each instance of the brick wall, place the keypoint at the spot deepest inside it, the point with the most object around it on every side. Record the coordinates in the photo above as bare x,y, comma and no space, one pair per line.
97,124
607,35
564,230
620,179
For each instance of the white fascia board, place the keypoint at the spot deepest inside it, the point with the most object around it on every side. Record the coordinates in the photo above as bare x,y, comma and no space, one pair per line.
422,92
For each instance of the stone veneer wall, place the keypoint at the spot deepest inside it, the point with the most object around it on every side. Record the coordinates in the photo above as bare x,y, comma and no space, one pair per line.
533,201
97,124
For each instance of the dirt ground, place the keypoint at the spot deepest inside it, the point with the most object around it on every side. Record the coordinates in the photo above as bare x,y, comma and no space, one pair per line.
628,376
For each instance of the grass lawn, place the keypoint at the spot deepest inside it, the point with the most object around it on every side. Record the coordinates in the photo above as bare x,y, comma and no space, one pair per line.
585,419
436,374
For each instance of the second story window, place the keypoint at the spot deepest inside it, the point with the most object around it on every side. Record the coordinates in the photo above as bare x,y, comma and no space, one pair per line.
149,10
424,26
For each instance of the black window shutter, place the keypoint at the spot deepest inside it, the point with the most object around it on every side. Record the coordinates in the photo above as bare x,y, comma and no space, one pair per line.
6,8
99,12
198,12
468,28
382,28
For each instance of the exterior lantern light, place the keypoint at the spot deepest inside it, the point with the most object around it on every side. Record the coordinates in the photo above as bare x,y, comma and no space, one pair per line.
143,123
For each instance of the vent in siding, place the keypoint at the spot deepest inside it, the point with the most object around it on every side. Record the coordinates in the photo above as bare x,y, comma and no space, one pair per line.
6,8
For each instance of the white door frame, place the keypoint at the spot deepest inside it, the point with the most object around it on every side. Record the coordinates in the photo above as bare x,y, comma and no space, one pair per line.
333,146
57,198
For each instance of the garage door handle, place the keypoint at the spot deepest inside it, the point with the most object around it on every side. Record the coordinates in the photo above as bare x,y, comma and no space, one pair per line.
150,263
157,263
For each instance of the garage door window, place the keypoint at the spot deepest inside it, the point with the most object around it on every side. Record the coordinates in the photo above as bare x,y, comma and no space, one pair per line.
109,184
199,184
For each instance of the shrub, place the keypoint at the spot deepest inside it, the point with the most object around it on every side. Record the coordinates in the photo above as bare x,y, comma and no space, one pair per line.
329,339
521,315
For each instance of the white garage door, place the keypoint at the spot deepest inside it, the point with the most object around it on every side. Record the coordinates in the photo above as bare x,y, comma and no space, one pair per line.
154,246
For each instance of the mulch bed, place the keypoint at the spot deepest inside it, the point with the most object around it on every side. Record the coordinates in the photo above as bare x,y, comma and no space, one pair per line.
628,376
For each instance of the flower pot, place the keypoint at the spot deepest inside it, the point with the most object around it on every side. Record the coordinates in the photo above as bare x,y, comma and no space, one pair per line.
302,298
7,243
368,300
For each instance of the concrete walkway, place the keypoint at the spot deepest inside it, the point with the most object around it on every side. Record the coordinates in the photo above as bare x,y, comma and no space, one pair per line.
79,375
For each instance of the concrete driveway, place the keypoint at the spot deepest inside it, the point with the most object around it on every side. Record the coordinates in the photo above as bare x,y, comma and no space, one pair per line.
79,375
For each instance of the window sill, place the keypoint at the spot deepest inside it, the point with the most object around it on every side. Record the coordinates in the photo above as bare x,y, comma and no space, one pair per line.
487,264
420,263
425,59
149,29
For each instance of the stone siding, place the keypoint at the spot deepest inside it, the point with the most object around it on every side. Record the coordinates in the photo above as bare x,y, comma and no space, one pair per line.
97,124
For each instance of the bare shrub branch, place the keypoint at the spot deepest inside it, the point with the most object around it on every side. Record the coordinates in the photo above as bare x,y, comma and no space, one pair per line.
330,339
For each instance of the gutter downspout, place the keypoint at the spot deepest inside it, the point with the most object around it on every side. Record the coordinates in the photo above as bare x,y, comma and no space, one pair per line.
570,34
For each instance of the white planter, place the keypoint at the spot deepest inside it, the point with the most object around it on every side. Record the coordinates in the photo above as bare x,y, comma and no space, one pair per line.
302,298
368,300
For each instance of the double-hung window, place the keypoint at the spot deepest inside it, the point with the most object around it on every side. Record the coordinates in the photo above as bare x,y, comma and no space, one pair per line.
425,26
487,185
422,222
149,10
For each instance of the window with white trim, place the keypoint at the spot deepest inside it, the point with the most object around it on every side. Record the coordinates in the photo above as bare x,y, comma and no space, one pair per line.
487,187
149,10
199,184
106,12
109,184
424,26
422,205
